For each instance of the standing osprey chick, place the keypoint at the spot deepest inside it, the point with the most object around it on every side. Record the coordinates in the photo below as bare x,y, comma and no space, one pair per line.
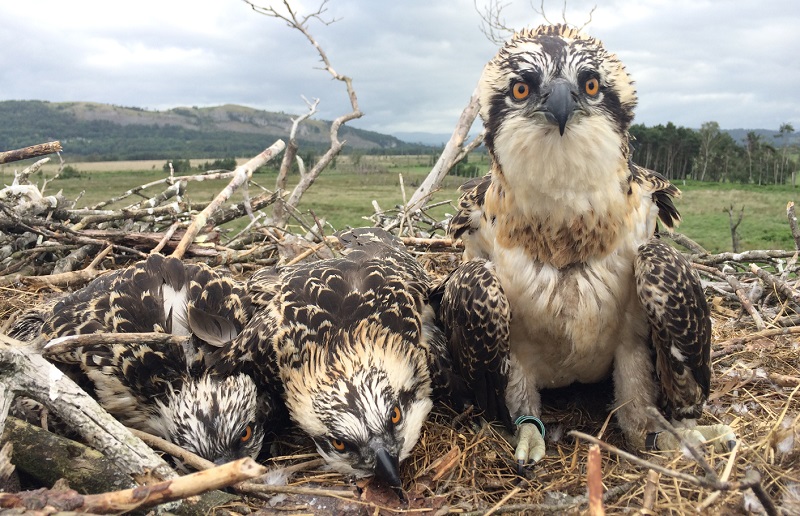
346,341
563,267
168,390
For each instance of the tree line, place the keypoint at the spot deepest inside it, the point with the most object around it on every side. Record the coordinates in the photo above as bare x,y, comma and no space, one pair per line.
710,154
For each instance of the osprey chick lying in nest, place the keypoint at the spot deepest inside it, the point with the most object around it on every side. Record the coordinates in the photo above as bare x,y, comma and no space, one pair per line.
168,391
565,279
347,343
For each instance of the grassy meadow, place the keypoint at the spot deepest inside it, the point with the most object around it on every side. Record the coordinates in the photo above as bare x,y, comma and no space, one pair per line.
343,195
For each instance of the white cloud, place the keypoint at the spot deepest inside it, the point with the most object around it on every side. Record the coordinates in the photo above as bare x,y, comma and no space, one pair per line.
414,63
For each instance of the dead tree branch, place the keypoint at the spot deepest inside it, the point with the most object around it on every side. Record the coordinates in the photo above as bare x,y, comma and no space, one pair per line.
29,374
790,214
451,151
241,175
41,149
291,149
300,23
735,227
141,497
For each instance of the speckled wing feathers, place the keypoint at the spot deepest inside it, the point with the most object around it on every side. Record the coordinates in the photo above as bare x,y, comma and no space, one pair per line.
475,315
662,191
147,297
470,205
680,327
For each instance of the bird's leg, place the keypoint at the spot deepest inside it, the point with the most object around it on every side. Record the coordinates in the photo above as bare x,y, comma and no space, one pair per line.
720,437
528,441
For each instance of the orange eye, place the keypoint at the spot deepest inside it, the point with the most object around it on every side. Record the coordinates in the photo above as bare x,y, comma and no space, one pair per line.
395,416
592,87
520,90
337,444
247,434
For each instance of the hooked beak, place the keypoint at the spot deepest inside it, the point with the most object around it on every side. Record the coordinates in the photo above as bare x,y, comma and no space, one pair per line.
559,104
387,467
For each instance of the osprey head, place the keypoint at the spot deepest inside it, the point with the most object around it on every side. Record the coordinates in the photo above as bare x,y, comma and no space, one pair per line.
218,418
554,83
363,402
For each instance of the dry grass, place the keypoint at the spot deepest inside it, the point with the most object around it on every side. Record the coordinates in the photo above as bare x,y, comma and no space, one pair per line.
457,468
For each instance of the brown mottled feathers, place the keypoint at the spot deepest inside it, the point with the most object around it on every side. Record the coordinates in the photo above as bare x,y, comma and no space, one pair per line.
680,327
663,193
299,305
166,389
345,342
474,315
470,204
159,294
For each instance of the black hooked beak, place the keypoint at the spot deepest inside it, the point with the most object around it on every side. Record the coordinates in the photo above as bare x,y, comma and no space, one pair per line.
559,104
387,467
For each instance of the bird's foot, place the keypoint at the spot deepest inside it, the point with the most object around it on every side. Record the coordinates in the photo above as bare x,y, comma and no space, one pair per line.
528,441
719,437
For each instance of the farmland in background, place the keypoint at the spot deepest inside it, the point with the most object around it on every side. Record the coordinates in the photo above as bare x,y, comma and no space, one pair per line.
343,195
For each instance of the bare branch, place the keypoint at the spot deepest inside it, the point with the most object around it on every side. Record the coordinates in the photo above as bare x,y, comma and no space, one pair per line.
452,150
240,176
33,151
279,211
300,23
493,24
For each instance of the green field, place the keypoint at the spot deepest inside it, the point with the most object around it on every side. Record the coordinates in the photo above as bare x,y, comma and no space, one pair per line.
343,196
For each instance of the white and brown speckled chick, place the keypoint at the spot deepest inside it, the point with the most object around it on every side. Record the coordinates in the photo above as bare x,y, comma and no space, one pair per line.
168,390
347,343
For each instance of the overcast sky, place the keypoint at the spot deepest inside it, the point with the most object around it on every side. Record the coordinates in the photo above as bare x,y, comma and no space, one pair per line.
414,63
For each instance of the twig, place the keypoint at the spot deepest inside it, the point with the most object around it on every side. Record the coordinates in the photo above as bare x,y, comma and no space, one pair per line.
69,343
594,481
185,456
651,489
177,489
751,481
777,284
688,243
740,341
503,501
69,278
254,488
757,255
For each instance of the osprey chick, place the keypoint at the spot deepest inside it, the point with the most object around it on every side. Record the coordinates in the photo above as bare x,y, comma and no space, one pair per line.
563,270
346,341
168,391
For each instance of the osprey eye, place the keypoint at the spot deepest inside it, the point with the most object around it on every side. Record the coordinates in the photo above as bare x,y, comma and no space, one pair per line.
592,87
395,416
337,444
520,90
247,434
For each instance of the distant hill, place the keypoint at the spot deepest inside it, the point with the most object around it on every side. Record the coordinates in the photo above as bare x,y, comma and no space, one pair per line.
767,136
739,135
95,131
